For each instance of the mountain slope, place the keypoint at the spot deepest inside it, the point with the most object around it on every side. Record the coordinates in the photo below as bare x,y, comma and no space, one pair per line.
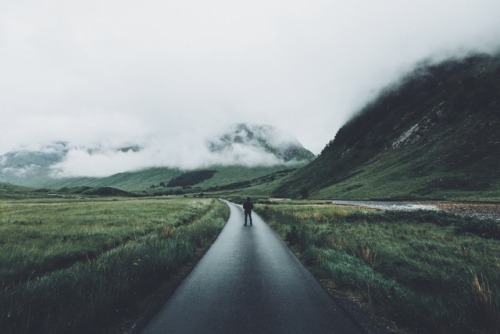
433,136
157,180
8,191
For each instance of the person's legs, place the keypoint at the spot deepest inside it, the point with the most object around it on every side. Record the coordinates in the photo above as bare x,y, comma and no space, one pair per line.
246,215
250,215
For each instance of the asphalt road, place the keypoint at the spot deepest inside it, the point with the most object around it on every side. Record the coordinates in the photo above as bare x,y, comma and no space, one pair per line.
250,282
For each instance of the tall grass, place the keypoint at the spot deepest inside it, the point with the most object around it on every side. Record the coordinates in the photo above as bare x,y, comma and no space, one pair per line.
429,272
41,235
88,296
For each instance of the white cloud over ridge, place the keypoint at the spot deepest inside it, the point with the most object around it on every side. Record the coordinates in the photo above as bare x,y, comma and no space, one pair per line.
171,73
108,160
238,144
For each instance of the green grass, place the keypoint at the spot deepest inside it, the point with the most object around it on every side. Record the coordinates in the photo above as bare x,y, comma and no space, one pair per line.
75,266
429,272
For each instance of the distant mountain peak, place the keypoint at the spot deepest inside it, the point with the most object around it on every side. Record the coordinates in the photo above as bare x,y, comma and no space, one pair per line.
264,138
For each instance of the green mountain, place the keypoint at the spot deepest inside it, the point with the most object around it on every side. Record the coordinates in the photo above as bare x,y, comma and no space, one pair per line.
129,181
434,135
216,181
162,180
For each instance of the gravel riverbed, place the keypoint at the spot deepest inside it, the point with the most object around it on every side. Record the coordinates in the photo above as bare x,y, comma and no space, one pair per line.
479,210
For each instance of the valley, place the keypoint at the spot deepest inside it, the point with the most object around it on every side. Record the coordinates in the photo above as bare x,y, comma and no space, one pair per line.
399,212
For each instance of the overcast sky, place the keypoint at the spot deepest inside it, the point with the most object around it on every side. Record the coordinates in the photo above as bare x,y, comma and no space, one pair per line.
123,71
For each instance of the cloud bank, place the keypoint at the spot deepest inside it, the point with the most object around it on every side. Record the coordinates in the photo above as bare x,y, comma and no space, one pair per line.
197,151
171,73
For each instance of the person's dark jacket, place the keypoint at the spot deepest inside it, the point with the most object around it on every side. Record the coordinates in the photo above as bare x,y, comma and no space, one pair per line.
248,206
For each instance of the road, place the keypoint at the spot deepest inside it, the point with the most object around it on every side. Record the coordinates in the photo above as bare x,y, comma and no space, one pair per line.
250,282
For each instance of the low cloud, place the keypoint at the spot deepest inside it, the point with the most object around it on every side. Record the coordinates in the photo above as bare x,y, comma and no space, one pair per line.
87,72
185,151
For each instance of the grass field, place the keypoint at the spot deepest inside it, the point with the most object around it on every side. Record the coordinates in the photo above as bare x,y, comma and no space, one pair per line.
79,265
429,272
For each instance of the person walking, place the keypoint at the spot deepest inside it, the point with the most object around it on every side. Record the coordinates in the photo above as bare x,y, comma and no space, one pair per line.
248,206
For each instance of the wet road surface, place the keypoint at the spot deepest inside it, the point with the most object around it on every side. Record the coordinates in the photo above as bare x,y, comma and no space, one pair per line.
249,282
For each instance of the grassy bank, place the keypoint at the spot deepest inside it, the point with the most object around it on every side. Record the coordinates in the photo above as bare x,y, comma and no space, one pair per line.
81,266
427,271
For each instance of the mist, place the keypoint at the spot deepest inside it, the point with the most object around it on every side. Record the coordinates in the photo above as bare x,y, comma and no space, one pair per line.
168,75
185,151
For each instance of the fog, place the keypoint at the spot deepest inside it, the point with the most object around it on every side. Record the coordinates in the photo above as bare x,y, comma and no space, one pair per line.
169,74
107,158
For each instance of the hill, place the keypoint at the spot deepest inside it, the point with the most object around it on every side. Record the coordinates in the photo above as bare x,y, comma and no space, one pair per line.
161,181
8,191
435,136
